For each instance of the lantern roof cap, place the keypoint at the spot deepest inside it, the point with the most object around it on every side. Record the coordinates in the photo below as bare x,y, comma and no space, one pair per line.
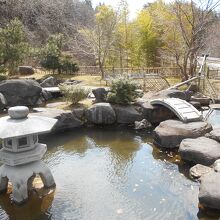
19,123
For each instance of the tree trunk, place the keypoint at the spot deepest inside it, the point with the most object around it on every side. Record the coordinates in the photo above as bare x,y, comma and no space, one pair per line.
101,69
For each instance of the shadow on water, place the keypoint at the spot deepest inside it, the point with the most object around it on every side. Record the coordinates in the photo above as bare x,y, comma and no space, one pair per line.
112,173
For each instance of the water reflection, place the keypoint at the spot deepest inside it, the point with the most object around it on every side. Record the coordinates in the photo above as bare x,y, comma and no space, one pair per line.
116,174
36,208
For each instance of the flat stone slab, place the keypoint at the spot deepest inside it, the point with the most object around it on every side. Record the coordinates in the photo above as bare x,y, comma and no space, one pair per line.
55,104
209,193
201,150
66,119
52,89
170,133
199,170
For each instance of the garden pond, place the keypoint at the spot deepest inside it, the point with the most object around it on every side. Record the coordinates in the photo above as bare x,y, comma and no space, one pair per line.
111,173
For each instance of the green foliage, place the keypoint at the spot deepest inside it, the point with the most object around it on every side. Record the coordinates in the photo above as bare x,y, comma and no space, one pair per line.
123,91
13,46
53,59
50,62
51,53
67,64
3,77
3,69
73,93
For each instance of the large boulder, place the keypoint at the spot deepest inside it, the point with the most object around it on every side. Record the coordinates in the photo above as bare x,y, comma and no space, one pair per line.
26,70
127,114
20,92
170,133
66,119
201,150
155,114
100,94
139,125
101,114
209,193
49,82
46,95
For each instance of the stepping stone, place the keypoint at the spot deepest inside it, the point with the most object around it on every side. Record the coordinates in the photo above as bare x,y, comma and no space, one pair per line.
201,150
209,193
170,133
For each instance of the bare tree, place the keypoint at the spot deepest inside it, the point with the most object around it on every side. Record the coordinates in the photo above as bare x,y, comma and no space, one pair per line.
97,42
193,20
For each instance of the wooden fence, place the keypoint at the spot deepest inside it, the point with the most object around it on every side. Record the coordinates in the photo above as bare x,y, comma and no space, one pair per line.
164,71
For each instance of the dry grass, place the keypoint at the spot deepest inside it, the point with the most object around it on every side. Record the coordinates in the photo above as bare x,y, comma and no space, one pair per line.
87,80
173,80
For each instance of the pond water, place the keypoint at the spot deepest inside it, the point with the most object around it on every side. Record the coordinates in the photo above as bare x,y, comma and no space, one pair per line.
108,174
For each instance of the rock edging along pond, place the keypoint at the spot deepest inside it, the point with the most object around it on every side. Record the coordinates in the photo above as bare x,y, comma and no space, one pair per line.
206,153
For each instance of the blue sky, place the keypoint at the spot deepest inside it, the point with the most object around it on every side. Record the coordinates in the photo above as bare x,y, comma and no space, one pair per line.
134,5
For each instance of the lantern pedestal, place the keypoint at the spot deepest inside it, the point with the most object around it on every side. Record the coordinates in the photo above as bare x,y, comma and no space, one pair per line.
19,177
21,152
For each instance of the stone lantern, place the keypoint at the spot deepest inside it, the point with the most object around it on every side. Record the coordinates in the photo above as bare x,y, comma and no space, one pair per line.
21,152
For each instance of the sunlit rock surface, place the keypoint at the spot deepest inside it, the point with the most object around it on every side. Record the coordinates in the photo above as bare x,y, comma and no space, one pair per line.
198,170
209,194
21,92
101,113
66,119
201,150
170,133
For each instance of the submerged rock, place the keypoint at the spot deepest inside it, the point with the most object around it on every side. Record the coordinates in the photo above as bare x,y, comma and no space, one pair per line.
201,150
21,92
139,125
170,133
66,119
198,170
101,113
209,193
127,114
